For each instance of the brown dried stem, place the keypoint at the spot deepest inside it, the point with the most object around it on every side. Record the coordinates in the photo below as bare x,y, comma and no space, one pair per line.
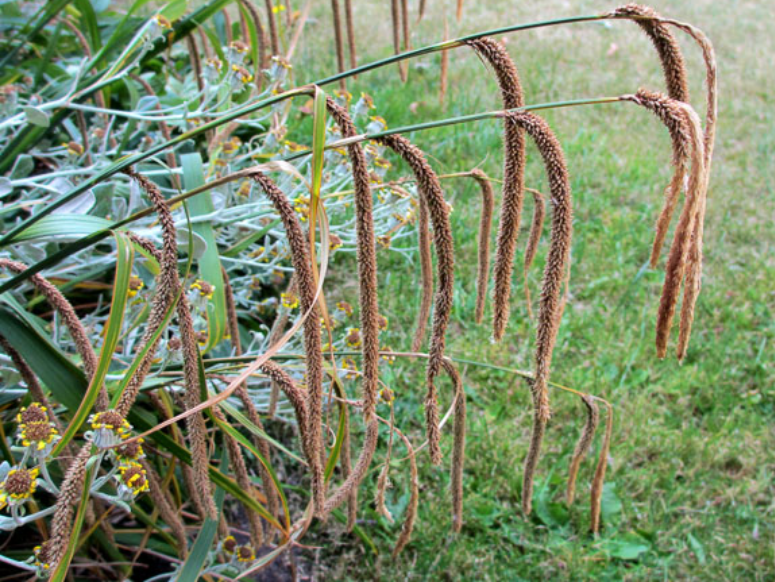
338,41
273,37
599,478
583,445
348,17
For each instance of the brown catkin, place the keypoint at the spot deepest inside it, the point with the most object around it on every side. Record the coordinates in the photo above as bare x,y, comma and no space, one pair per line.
274,40
405,25
459,11
395,21
551,304
679,118
359,470
666,45
302,264
275,335
196,64
421,9
582,445
227,26
167,284
195,423
668,111
555,273
263,61
430,188
338,41
513,178
166,510
297,399
69,318
242,393
536,227
694,262
366,259
69,495
458,447
426,275
599,478
348,17
485,226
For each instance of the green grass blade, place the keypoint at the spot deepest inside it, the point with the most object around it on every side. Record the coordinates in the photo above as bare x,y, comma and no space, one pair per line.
204,541
240,438
210,263
113,326
63,378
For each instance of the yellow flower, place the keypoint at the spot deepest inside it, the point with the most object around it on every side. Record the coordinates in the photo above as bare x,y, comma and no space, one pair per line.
382,322
229,545
289,300
110,428
35,412
42,558
244,188
345,308
243,74
353,338
18,487
278,8
73,148
37,434
245,554
205,289
133,478
130,452
162,21
135,286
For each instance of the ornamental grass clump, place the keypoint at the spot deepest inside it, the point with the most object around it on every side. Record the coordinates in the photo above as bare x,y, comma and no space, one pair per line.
183,381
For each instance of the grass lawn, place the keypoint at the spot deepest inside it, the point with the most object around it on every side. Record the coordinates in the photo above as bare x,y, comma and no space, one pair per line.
689,491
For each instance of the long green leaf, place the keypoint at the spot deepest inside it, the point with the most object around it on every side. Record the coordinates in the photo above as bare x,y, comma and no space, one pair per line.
204,541
115,323
63,378
240,438
210,268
